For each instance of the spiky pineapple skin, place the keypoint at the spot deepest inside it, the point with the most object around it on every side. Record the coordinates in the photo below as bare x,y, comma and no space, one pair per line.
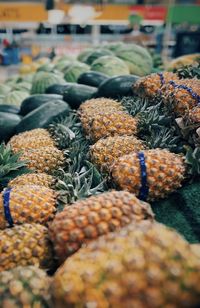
90,218
37,132
111,124
44,159
97,104
151,85
29,203
24,287
107,150
91,108
165,172
41,179
32,139
180,96
22,143
24,245
145,265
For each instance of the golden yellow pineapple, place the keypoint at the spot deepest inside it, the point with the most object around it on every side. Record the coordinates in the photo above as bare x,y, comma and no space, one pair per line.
88,219
33,139
41,179
26,204
44,159
111,124
182,95
144,265
149,174
106,150
25,286
91,108
151,85
183,61
196,249
23,245
37,132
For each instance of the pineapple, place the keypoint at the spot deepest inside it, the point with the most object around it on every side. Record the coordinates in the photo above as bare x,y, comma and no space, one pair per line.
111,124
26,204
196,249
33,139
151,85
142,265
44,159
182,95
164,173
41,179
58,135
23,245
10,165
24,287
106,150
88,219
182,61
91,108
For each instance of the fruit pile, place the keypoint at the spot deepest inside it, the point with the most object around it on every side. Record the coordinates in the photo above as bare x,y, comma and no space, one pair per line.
78,169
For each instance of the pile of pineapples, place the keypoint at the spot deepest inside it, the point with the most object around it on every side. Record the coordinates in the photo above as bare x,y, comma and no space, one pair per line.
76,228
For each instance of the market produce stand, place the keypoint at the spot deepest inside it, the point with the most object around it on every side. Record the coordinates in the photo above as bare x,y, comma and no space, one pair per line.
99,155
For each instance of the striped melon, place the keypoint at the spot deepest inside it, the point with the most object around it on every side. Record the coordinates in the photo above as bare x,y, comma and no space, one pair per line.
4,89
22,86
75,70
137,58
110,65
43,80
15,97
62,65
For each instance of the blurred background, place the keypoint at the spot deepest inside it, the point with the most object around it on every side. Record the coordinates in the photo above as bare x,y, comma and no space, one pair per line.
35,28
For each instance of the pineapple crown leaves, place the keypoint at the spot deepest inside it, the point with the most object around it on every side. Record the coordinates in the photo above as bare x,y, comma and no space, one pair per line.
192,159
67,131
134,104
72,187
164,138
10,165
153,117
62,132
190,71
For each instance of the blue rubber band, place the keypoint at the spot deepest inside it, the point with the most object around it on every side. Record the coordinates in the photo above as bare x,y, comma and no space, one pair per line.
189,90
162,79
6,205
144,189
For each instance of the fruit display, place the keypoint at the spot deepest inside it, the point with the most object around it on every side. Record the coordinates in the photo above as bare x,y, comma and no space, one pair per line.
138,266
86,142
107,150
163,173
88,219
